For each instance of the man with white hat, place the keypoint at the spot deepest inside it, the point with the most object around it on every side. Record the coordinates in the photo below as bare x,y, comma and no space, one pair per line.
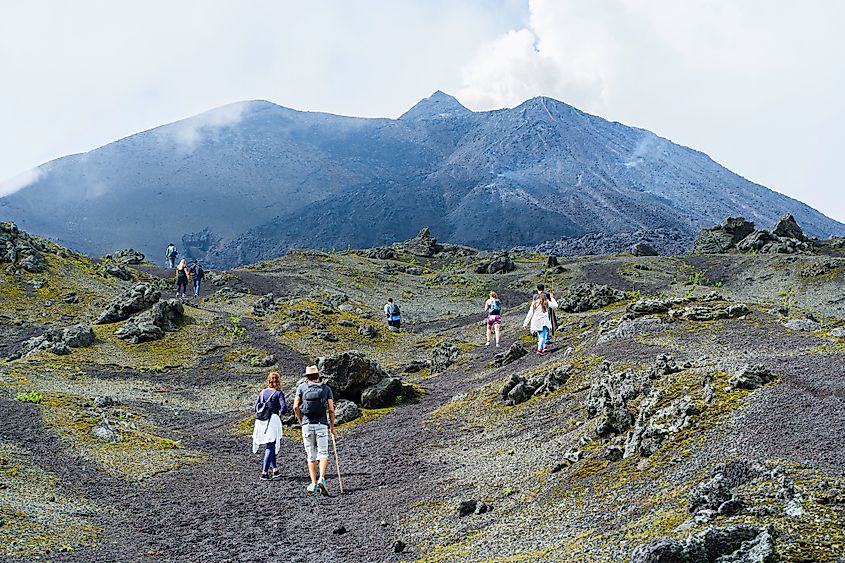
314,409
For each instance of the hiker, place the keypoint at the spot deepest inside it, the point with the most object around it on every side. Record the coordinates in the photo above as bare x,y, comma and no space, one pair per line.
393,314
182,275
314,409
539,319
541,288
270,404
171,253
493,309
197,275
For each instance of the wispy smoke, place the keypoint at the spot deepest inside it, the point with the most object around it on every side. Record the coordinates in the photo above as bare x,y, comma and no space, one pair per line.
189,133
20,181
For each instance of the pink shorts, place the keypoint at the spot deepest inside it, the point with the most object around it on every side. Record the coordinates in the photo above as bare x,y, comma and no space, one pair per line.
494,320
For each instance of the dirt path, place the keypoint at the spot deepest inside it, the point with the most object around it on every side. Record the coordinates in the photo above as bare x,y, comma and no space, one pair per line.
219,510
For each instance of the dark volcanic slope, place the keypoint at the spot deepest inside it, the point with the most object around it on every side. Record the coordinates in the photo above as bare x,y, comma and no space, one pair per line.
263,178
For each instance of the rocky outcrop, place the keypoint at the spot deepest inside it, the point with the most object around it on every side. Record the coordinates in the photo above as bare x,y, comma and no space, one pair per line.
266,305
58,341
443,356
518,389
422,245
733,544
117,271
21,251
345,411
497,264
586,296
382,394
722,237
349,373
705,313
654,425
163,316
126,256
607,400
513,353
751,377
643,249
134,300
786,237
667,242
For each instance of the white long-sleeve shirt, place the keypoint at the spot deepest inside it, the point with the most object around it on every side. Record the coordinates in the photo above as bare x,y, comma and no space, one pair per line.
538,318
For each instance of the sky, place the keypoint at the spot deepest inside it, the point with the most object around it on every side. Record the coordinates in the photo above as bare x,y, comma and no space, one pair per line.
757,84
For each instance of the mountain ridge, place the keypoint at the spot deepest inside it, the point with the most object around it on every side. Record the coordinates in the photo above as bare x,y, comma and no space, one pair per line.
261,178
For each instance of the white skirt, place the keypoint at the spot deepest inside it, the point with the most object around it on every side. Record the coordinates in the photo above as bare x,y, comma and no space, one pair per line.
265,432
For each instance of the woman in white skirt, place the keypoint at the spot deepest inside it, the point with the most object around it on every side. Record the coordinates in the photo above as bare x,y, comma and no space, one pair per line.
269,432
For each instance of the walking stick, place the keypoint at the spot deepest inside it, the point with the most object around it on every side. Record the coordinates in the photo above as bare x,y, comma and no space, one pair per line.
337,464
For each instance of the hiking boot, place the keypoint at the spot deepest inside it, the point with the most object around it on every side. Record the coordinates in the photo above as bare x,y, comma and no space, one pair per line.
265,477
312,488
324,489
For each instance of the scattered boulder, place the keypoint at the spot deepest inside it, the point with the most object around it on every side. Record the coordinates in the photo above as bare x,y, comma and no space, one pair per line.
838,332
513,353
643,249
134,300
467,507
628,328
118,271
70,297
399,546
349,373
380,253
803,325
607,398
368,331
586,296
21,250
127,256
152,324
732,544
57,341
105,431
613,453
497,264
423,245
648,306
722,237
443,356
345,411
751,377
709,313
787,227
263,361
382,394
415,366
265,305
104,401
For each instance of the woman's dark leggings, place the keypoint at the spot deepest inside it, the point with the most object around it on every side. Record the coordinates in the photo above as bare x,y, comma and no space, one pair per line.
269,456
181,286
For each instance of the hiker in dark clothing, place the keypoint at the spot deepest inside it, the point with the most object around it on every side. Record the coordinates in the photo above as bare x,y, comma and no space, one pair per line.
314,409
269,432
171,253
393,314
182,275
197,275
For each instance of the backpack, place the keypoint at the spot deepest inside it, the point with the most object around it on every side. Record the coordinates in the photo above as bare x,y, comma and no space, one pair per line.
496,307
171,251
262,409
199,272
312,401
394,310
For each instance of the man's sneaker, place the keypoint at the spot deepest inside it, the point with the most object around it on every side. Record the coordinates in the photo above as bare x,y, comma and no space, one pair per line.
265,477
321,483
312,488
277,475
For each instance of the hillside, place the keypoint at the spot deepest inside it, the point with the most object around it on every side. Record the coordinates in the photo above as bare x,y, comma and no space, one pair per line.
690,409
245,182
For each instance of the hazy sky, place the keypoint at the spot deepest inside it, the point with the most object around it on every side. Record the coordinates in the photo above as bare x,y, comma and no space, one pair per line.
756,84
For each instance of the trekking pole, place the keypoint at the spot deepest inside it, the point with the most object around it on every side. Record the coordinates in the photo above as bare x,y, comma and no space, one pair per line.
337,464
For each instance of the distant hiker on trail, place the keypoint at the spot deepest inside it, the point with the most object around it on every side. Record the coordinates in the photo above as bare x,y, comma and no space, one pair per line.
314,409
182,275
393,314
171,253
542,289
539,319
268,408
197,275
493,308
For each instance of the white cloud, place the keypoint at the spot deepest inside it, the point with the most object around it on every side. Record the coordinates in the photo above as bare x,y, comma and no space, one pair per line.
20,181
756,84
188,133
